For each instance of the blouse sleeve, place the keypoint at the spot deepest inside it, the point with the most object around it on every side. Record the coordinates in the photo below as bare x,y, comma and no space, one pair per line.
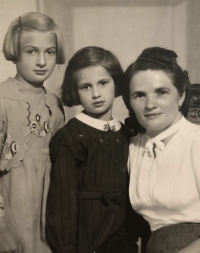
61,216
195,154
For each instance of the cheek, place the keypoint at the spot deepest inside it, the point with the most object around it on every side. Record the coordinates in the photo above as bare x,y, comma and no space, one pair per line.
137,107
80,96
112,90
52,61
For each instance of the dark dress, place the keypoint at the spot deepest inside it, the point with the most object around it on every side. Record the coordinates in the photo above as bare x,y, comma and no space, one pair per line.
88,190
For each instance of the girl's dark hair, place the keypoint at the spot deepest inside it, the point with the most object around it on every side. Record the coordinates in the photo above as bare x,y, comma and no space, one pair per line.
157,58
87,57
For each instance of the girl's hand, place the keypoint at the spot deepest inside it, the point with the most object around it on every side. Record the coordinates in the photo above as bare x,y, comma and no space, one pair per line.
8,242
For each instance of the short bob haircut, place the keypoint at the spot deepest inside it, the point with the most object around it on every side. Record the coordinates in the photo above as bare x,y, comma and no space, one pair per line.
157,58
31,21
84,58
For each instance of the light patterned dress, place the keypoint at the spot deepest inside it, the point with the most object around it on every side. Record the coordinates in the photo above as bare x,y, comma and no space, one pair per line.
29,117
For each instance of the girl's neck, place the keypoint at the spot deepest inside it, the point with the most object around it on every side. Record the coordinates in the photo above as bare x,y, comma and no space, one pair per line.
17,77
106,116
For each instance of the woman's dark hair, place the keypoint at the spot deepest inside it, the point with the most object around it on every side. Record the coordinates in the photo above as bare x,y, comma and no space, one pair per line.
157,58
88,57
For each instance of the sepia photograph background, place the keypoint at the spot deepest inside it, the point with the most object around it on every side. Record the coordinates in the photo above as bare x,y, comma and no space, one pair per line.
124,27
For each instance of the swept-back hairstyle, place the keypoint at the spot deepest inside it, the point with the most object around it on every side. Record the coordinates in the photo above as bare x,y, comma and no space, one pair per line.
31,21
88,57
157,58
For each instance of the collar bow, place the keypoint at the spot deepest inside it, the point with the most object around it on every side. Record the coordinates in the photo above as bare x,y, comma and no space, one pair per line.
152,144
108,127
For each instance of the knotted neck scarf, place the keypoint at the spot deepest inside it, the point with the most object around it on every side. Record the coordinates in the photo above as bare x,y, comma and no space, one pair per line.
157,142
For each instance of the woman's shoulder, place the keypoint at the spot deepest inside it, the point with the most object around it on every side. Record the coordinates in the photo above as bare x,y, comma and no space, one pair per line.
138,139
190,130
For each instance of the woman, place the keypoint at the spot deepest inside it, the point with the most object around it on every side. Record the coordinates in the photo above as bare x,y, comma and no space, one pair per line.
164,161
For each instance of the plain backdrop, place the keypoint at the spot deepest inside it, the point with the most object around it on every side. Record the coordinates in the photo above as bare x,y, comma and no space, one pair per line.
124,27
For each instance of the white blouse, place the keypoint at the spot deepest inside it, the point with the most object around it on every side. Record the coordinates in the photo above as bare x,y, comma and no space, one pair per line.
165,180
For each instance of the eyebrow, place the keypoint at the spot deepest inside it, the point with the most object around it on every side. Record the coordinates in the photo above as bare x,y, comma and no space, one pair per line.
137,92
83,84
162,88
37,47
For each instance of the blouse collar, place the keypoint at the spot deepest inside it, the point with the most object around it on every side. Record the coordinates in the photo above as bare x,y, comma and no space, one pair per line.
158,140
171,130
113,125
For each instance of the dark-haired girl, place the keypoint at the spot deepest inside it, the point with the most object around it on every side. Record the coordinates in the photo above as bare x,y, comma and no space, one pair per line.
88,189
164,161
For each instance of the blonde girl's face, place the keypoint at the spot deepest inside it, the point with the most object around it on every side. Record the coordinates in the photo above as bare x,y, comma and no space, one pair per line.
96,91
37,57
155,100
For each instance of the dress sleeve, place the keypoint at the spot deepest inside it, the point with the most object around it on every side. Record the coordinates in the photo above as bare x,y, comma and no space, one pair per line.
2,132
125,240
136,225
58,116
61,216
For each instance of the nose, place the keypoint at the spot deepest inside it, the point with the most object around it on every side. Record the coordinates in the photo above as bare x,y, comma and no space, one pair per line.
95,93
150,102
41,60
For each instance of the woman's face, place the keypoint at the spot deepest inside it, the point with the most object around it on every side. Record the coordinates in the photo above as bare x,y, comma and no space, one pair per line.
155,100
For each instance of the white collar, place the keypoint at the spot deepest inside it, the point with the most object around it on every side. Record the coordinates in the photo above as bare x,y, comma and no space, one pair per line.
113,125
158,140
169,131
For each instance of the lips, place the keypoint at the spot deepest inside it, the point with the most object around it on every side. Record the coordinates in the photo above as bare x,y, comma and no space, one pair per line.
40,72
98,103
152,115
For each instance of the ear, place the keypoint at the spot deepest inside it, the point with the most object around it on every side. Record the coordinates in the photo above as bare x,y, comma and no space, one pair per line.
181,99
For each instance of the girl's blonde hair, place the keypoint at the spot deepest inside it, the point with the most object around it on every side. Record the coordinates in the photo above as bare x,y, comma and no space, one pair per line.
31,21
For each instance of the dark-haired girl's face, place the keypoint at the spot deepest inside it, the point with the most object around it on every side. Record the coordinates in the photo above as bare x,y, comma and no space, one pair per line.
96,91
155,100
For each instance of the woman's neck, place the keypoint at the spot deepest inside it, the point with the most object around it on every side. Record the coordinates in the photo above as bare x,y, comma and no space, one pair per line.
153,134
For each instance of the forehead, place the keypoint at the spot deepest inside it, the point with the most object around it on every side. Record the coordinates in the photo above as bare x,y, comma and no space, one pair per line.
90,74
38,39
151,79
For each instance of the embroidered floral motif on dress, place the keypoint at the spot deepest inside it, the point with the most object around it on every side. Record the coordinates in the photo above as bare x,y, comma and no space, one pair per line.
9,148
38,128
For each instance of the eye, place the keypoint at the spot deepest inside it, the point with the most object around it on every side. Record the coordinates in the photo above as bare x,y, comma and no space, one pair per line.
86,87
161,92
138,95
31,51
51,52
103,82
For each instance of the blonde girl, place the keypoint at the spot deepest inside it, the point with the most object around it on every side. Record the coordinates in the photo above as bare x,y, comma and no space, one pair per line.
29,117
